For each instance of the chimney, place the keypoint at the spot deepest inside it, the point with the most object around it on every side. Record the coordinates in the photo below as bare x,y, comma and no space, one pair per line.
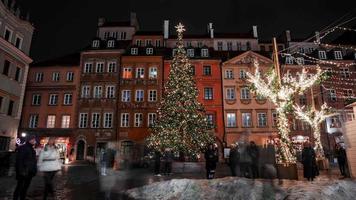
101,21
18,12
254,30
288,37
13,5
212,33
166,29
28,16
133,20
317,37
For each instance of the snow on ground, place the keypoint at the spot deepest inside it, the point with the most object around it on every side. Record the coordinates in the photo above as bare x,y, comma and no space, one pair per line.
245,189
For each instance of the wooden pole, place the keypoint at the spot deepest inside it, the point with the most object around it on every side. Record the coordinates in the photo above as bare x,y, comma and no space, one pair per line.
276,59
312,97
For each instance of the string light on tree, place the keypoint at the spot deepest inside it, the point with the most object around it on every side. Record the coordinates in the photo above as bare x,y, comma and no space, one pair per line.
181,125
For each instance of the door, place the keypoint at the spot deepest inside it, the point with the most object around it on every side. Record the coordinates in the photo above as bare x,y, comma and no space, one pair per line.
80,150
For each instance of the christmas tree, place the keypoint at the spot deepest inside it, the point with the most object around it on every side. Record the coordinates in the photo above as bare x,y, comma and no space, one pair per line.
181,125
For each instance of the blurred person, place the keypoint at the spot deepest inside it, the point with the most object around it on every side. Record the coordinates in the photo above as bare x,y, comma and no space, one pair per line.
167,161
340,154
234,159
254,154
310,167
211,158
157,163
103,162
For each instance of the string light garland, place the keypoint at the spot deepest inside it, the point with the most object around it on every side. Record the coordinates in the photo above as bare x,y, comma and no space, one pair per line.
282,96
338,46
328,62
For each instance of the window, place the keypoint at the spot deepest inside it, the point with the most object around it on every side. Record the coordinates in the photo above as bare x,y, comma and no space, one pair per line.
55,76
263,48
260,97
348,93
88,67
148,42
108,119
192,68
208,93
262,119
67,99
95,120
139,95
151,119
229,74
111,43
243,74
134,51
338,55
70,76
152,73
231,120
274,118
33,121
158,43
85,91
220,46
207,70
322,55
36,99
246,120
97,91
190,53
8,34
127,72
345,73
124,119
39,77
123,35
239,46
300,61
245,93
204,53
99,67
335,122
301,50
230,94
51,121
126,96
140,73
6,68
229,46
332,95
110,92
138,119
303,99
17,74
10,109
289,60
210,120
111,67
83,120
65,121
248,46
139,43
106,35
149,51
96,43
53,99
152,95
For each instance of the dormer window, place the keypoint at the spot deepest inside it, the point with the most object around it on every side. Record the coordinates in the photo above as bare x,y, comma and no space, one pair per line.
134,51
190,53
111,43
149,51
204,53
300,61
322,55
289,60
96,44
174,52
338,55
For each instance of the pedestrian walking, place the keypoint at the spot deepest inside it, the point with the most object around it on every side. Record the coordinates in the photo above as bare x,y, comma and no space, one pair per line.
233,159
310,167
103,162
49,163
211,158
26,167
340,154
167,160
245,160
157,163
255,155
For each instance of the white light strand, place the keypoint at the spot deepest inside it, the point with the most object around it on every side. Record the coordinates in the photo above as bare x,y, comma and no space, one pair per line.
332,46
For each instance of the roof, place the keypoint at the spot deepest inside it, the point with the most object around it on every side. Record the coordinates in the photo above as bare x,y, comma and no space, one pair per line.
116,23
233,35
191,36
149,33
66,60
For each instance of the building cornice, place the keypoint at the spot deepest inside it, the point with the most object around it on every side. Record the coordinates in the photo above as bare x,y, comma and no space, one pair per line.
12,50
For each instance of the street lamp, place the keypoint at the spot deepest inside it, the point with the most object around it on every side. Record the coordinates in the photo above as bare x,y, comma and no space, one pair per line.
23,134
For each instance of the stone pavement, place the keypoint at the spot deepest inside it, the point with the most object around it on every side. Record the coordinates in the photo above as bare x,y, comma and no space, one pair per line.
81,181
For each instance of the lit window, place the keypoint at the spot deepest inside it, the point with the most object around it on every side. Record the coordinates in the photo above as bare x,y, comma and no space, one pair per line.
126,96
338,55
204,53
111,43
108,119
243,74
65,121
127,72
208,93
53,99
96,44
245,93
151,119
88,67
231,119
140,73
230,94
51,121
99,67
95,120
246,120
262,119
124,119
190,53
111,67
152,95
229,74
139,95
33,123
83,120
152,72
322,55
138,119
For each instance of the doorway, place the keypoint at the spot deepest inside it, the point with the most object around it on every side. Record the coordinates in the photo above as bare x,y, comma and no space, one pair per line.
80,150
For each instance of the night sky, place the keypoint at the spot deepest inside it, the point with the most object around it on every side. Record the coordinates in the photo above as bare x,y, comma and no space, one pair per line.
65,26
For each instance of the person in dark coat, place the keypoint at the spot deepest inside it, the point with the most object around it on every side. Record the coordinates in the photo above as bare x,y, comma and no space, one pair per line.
211,158
309,162
26,167
167,161
340,154
233,159
254,154
157,163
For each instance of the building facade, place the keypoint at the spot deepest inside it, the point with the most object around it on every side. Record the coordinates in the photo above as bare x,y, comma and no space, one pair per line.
15,42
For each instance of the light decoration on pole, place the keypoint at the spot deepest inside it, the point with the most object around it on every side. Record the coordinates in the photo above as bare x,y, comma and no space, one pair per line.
181,124
281,93
314,118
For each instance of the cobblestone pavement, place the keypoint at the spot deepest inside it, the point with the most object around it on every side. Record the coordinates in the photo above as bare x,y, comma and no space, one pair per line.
81,181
